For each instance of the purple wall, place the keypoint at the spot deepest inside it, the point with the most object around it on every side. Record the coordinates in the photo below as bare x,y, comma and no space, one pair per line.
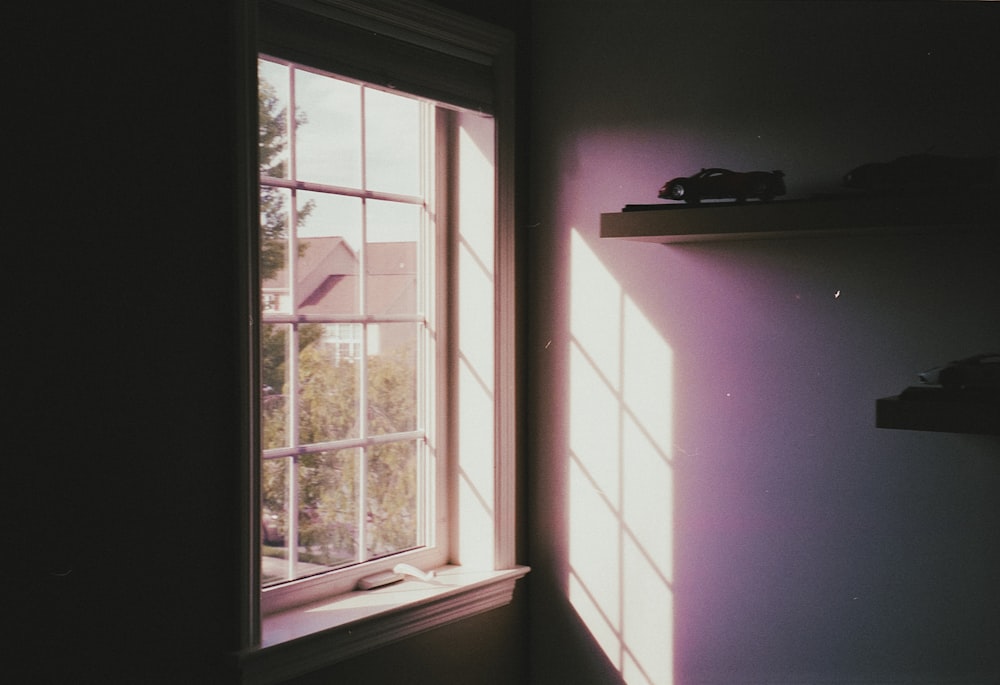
805,544
737,520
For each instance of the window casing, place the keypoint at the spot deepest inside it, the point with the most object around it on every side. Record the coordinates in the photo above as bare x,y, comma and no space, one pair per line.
462,337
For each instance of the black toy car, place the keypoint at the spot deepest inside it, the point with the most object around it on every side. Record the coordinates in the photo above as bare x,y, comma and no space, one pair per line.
924,173
723,183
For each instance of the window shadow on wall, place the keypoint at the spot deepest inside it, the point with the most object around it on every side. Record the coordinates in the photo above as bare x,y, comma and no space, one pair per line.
619,475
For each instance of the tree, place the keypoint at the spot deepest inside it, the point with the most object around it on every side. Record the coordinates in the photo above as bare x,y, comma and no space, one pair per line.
272,140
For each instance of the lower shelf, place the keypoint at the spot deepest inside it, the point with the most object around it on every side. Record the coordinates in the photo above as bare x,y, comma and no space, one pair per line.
940,416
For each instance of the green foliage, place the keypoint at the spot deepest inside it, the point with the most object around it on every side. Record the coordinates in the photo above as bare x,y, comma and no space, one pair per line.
329,481
272,141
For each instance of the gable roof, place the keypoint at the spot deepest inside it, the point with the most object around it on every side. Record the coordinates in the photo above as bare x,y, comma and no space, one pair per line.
327,277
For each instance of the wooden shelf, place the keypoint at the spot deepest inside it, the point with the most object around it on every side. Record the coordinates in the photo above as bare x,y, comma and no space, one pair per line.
816,217
941,416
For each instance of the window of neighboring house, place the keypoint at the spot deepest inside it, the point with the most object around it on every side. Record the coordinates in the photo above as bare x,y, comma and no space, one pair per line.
385,419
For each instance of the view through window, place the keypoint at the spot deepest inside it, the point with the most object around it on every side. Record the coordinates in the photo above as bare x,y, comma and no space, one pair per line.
347,290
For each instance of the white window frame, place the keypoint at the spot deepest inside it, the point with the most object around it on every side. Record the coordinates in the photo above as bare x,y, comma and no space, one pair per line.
330,627
433,535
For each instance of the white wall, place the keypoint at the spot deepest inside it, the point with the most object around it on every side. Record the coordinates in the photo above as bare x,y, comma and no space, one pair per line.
710,500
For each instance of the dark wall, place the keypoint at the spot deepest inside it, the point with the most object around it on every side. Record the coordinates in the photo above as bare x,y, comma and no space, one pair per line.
123,340
124,421
710,499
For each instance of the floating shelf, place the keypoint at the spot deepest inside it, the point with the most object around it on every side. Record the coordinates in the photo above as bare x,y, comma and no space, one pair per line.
943,416
814,217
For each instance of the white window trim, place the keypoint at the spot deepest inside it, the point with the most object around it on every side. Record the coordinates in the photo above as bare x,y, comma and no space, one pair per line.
329,630
318,635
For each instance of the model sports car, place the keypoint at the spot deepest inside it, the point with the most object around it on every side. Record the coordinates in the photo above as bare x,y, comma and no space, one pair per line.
723,183
924,172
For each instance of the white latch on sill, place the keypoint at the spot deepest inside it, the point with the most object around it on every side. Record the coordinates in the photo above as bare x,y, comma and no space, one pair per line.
398,572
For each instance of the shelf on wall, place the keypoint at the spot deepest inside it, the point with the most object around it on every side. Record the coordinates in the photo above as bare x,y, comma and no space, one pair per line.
939,412
814,217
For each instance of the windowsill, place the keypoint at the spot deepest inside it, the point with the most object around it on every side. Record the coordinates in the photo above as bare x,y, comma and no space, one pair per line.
305,638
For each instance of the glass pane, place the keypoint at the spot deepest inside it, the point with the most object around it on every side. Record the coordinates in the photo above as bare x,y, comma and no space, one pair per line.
328,386
392,142
328,513
272,105
274,216
392,257
392,486
274,489
326,270
274,382
392,378
328,130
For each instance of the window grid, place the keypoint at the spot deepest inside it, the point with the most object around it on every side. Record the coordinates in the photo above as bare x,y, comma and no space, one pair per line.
365,320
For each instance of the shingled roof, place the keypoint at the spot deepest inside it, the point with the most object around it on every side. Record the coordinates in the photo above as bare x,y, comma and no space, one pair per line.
327,277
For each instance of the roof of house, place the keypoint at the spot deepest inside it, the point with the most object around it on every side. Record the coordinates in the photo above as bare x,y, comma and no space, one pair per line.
327,277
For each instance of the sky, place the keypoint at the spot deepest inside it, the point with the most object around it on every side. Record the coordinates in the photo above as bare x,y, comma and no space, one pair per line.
329,151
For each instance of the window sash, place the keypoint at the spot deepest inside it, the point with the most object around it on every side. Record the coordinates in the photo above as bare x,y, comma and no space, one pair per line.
429,471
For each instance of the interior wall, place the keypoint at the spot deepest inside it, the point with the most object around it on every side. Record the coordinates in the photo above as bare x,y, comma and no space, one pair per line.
123,444
710,501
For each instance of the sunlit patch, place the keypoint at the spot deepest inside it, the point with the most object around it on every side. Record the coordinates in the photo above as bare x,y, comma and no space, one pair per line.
475,333
620,475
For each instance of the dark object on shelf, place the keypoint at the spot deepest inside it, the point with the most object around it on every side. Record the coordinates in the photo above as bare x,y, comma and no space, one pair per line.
723,183
925,173
960,397
973,373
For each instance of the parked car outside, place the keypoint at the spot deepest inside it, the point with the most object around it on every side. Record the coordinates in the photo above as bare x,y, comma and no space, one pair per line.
718,183
272,531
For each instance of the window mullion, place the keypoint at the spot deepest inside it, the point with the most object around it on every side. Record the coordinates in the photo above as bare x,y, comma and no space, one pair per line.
292,354
362,551
426,368
292,472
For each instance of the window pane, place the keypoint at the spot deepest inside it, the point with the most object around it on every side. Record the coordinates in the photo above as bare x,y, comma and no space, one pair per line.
392,142
274,216
328,513
274,513
328,132
392,258
274,379
392,485
328,387
326,270
272,103
392,378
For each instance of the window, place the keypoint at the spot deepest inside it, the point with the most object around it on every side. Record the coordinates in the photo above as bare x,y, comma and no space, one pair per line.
382,354
351,468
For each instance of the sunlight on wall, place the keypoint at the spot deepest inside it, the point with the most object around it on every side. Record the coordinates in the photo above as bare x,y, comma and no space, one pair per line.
475,335
620,475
